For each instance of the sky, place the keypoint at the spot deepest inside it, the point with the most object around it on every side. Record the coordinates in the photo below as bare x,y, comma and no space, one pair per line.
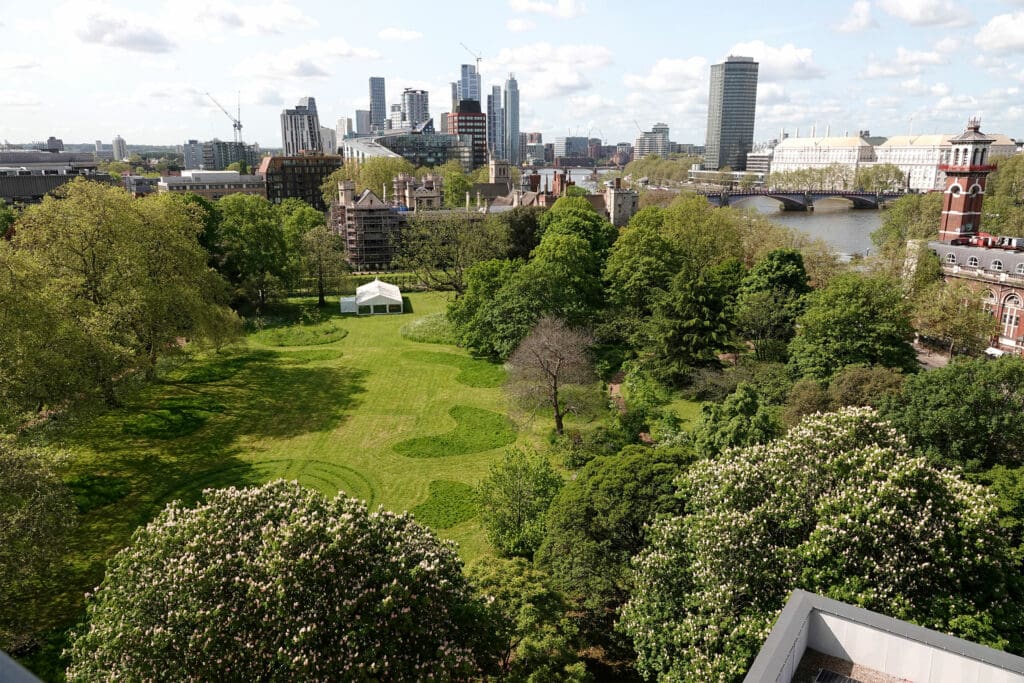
90,69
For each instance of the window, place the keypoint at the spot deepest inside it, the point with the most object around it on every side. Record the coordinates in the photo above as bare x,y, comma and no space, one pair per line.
951,258
1011,315
1019,269
972,262
988,302
997,265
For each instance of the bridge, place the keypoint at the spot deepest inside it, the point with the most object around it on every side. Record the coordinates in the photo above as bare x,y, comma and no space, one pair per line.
796,200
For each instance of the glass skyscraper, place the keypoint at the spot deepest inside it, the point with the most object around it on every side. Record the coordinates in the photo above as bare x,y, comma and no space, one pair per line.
378,104
511,112
731,105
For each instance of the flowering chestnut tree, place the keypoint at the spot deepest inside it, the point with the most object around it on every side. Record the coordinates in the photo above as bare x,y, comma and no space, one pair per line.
279,583
839,507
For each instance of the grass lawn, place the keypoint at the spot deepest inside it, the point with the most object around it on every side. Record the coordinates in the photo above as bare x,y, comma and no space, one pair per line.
345,404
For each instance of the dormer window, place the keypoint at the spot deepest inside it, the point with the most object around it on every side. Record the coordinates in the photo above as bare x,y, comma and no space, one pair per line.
997,265
951,259
972,262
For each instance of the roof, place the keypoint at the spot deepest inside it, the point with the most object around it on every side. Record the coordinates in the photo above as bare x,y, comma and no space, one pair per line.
378,291
935,140
972,133
829,142
895,647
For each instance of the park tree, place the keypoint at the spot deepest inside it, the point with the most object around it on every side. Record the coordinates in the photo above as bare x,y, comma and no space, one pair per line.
514,498
690,326
552,358
256,256
879,178
953,314
571,215
522,228
911,217
323,255
128,274
641,262
742,419
839,507
279,582
486,317
456,184
770,300
702,234
297,219
856,320
536,639
7,217
37,514
597,523
966,414
439,249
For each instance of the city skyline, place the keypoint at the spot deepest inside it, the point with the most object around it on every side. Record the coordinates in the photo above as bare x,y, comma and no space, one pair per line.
891,66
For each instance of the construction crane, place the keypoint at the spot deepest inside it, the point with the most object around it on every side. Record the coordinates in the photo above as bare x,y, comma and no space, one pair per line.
478,57
235,122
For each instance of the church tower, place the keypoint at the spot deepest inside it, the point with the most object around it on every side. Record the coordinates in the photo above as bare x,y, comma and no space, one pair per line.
966,170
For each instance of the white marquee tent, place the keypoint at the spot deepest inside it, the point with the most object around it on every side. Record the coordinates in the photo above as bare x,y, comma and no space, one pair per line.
374,298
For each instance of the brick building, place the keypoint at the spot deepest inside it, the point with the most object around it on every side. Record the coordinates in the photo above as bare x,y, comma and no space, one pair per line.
299,176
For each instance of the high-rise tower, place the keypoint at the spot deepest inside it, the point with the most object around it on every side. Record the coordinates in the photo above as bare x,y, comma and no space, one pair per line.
415,106
495,124
966,170
300,128
469,83
511,113
731,104
378,103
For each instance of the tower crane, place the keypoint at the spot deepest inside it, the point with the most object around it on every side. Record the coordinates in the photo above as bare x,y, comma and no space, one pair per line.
478,57
236,124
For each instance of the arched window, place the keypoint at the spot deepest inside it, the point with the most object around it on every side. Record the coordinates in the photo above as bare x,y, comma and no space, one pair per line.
997,265
956,157
951,258
1019,269
1011,315
988,302
972,262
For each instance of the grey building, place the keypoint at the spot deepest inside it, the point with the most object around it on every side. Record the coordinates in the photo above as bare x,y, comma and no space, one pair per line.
378,103
511,115
300,128
731,104
193,152
495,124
571,148
415,107
469,83
120,148
217,155
430,149
362,121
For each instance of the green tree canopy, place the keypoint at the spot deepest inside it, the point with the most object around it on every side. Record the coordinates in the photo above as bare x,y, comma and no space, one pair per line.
278,582
839,507
856,320
742,419
598,522
514,500
913,216
953,315
967,414
439,249
257,260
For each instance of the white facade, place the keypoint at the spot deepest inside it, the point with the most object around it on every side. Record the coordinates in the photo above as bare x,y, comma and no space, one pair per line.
329,140
415,107
793,154
120,148
300,128
652,143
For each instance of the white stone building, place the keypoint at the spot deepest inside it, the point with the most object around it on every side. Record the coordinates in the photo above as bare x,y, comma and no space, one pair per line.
793,154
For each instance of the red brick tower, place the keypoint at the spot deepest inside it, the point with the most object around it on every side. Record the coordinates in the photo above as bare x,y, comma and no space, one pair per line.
966,170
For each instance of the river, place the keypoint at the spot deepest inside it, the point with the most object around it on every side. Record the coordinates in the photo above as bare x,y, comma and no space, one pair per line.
846,230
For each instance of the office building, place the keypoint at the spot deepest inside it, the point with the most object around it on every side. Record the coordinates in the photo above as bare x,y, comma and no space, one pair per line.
26,176
415,106
396,119
328,140
469,120
120,148
300,128
343,129
469,84
428,149
299,176
570,148
363,122
378,104
653,142
193,153
511,115
212,185
732,101
495,124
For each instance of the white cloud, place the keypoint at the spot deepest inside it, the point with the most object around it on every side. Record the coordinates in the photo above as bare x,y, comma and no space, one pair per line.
788,62
10,61
771,93
99,24
314,59
11,99
670,75
858,19
1002,33
915,86
947,44
213,17
959,105
399,34
518,25
905,63
266,96
545,70
564,9
928,12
